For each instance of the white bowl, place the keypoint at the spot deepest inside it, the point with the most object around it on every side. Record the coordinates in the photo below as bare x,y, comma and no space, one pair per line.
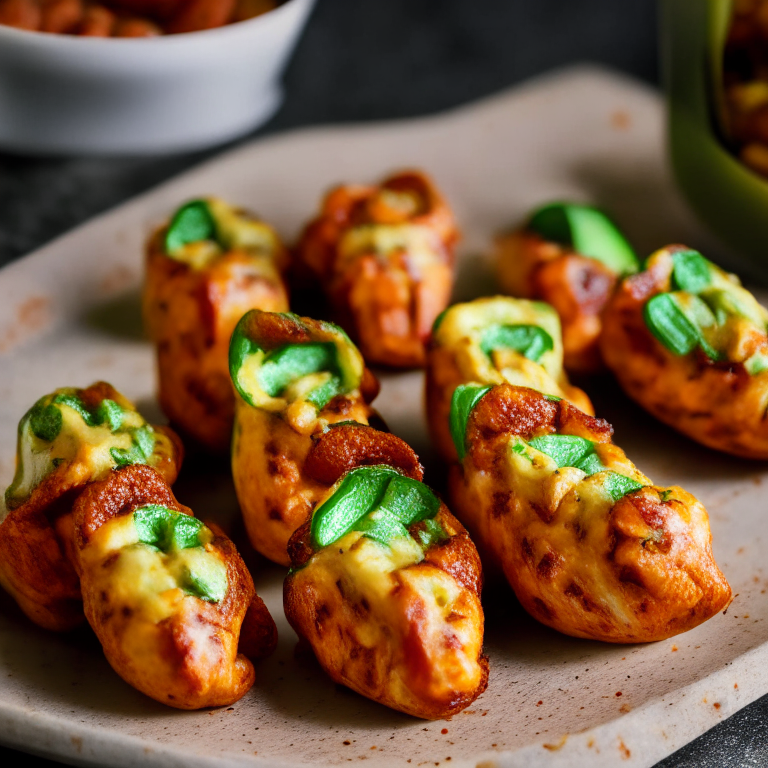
61,94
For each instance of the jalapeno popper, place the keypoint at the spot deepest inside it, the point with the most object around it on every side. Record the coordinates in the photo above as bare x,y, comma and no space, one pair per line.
384,257
492,341
570,256
293,377
689,344
589,545
205,270
169,597
385,587
68,439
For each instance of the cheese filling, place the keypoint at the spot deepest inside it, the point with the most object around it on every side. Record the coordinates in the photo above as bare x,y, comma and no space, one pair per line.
58,430
421,244
230,230
146,580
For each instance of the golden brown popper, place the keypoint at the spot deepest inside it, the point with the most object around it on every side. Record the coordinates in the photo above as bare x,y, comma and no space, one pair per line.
205,270
169,597
589,545
67,440
492,341
385,583
689,344
293,376
570,256
384,257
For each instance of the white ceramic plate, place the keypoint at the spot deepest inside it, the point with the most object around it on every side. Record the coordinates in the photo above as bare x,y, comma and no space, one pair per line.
69,315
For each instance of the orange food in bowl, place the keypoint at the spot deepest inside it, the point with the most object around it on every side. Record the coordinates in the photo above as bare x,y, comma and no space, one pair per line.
128,18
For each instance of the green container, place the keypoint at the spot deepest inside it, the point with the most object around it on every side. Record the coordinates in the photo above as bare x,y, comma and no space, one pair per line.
730,198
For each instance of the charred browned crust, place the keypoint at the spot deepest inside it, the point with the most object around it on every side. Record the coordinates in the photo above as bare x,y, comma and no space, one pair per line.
274,329
456,555
300,548
34,565
507,409
347,446
120,494
258,632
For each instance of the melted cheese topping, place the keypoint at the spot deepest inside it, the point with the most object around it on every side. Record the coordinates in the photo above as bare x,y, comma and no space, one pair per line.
575,498
138,577
234,231
88,446
292,401
420,243
363,566
361,572
468,321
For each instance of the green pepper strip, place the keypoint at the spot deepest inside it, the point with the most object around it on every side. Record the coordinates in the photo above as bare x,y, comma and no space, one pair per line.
166,529
46,419
190,224
210,586
589,231
573,451
531,341
171,531
379,502
431,534
141,450
439,320
465,398
672,327
691,272
286,364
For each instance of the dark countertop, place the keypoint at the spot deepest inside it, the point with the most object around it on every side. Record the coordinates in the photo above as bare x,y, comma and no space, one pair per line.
370,61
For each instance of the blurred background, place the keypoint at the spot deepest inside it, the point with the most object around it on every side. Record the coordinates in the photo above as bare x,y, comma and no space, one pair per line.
372,61
355,62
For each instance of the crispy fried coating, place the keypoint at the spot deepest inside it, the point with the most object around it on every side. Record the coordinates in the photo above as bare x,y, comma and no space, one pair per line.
275,433
717,396
577,287
36,534
594,550
467,345
384,257
193,298
398,620
168,615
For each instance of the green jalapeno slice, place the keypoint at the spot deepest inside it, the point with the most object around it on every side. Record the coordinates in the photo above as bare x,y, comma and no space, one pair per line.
530,341
691,272
678,330
377,501
465,398
192,223
263,371
589,231
578,452
171,532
